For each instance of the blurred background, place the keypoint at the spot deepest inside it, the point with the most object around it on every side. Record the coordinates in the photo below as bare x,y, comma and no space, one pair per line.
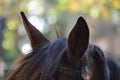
102,16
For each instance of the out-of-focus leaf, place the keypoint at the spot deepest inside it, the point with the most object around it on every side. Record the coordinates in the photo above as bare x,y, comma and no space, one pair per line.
116,4
104,13
12,25
73,6
94,12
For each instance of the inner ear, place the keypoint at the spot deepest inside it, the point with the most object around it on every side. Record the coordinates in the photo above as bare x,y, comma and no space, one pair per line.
78,41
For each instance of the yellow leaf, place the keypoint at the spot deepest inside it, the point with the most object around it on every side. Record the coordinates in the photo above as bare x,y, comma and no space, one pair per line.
104,13
73,6
116,4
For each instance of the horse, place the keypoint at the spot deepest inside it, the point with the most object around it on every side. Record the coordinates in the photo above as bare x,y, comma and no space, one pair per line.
72,58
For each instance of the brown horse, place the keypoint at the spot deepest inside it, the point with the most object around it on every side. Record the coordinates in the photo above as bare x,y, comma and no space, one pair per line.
64,59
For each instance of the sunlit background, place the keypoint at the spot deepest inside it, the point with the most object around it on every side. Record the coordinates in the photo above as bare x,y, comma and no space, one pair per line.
102,16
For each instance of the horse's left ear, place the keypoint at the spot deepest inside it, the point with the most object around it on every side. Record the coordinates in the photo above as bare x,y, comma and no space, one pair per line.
78,41
35,36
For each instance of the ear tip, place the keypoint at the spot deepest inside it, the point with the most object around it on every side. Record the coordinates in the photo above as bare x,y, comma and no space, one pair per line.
21,12
23,15
81,18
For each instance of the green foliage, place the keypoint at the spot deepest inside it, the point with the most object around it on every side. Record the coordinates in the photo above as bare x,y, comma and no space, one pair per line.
9,51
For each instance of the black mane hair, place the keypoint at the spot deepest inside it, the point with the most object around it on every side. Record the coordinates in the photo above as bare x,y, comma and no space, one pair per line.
114,69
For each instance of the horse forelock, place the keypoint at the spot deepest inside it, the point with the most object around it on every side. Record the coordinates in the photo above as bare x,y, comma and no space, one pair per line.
54,54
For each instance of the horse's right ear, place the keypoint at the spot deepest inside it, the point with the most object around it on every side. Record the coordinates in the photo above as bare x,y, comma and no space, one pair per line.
35,36
78,41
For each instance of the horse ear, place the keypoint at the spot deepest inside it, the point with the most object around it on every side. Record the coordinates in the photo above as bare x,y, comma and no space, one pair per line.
78,41
59,32
35,36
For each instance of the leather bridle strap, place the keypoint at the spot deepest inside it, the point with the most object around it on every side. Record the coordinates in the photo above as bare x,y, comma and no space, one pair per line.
69,72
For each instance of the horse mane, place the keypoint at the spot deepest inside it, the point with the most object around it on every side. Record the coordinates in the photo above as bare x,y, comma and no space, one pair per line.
40,63
95,53
114,69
